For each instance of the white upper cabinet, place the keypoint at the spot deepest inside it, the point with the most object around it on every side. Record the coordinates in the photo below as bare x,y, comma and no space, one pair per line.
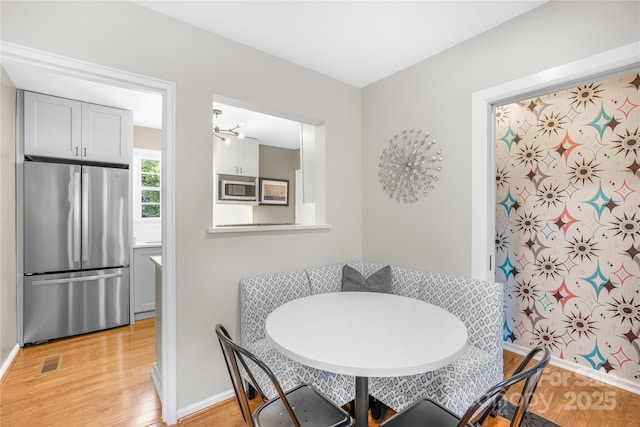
52,126
107,134
237,157
250,158
68,129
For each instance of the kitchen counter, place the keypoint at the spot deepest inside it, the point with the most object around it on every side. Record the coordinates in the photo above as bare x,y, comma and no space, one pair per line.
262,224
143,244
250,228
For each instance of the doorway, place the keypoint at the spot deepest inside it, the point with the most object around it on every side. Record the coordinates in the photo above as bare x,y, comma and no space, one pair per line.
616,61
68,68
568,223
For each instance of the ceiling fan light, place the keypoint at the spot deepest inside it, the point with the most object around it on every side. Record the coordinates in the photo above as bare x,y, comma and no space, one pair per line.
233,131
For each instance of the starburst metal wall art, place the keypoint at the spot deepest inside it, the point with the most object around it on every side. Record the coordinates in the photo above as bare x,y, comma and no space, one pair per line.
408,167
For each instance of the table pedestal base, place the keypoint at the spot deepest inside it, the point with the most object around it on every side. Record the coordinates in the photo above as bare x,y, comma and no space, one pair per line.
362,402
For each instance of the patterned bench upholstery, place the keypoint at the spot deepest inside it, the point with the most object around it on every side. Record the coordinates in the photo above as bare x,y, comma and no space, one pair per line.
477,303
259,296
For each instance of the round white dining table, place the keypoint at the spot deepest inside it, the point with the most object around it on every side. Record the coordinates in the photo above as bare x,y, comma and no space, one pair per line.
366,334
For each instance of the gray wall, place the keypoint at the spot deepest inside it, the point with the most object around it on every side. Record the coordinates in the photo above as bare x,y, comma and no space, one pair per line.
279,163
209,267
147,138
435,95
8,307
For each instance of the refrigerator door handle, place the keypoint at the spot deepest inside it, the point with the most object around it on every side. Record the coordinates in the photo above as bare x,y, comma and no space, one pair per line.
85,217
76,279
76,217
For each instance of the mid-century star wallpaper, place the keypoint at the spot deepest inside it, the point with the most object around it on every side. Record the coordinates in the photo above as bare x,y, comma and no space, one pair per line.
568,223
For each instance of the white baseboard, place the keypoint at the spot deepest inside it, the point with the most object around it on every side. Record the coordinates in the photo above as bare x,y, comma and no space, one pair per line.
198,406
156,376
7,363
610,379
145,315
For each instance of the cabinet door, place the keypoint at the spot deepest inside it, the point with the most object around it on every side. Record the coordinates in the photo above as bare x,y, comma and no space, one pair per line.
144,273
107,134
51,126
228,155
250,158
237,157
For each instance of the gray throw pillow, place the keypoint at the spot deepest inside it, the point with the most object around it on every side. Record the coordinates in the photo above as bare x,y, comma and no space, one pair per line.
354,281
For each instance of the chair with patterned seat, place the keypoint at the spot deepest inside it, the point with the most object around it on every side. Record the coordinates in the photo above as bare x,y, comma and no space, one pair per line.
302,405
426,412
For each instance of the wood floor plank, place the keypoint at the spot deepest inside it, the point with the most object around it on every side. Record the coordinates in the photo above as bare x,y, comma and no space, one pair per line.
104,380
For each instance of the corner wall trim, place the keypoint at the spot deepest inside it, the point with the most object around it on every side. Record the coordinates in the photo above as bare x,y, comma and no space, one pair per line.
9,360
156,377
205,403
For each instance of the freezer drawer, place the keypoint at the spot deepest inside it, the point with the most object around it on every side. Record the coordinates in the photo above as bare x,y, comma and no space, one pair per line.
61,305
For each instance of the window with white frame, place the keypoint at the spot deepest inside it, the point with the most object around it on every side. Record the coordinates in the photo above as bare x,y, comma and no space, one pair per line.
147,195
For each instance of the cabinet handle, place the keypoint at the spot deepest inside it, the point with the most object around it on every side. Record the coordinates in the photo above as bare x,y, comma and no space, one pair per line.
240,169
77,212
76,151
85,217
85,151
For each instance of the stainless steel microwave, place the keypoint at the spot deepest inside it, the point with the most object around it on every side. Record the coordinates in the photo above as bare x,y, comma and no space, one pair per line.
238,190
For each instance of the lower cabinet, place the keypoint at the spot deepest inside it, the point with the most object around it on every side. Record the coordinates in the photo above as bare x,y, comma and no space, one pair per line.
144,294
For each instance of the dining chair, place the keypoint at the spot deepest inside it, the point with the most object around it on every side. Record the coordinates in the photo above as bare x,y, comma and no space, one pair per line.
426,412
302,405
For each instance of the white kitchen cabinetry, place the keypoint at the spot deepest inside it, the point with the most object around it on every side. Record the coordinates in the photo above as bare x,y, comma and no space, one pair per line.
107,134
67,129
237,157
144,294
52,126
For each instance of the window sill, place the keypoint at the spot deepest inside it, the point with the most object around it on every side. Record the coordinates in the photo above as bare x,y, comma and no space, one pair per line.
260,228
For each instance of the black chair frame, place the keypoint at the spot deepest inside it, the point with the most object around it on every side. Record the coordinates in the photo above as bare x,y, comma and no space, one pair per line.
493,397
234,356
230,351
487,404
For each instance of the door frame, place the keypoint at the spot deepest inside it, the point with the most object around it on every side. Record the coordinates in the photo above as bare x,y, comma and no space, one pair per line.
82,70
483,103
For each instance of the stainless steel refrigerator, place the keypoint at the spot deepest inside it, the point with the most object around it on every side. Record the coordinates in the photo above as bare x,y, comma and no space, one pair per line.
76,249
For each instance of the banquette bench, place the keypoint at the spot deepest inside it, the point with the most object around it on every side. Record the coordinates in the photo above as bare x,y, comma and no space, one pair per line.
477,303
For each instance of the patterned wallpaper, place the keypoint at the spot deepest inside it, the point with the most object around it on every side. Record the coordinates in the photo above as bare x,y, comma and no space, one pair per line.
568,223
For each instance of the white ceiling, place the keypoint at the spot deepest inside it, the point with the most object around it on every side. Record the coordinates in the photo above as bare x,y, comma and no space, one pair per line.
357,42
268,129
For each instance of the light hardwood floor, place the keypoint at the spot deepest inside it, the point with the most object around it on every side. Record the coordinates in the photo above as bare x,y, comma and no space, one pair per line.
104,380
